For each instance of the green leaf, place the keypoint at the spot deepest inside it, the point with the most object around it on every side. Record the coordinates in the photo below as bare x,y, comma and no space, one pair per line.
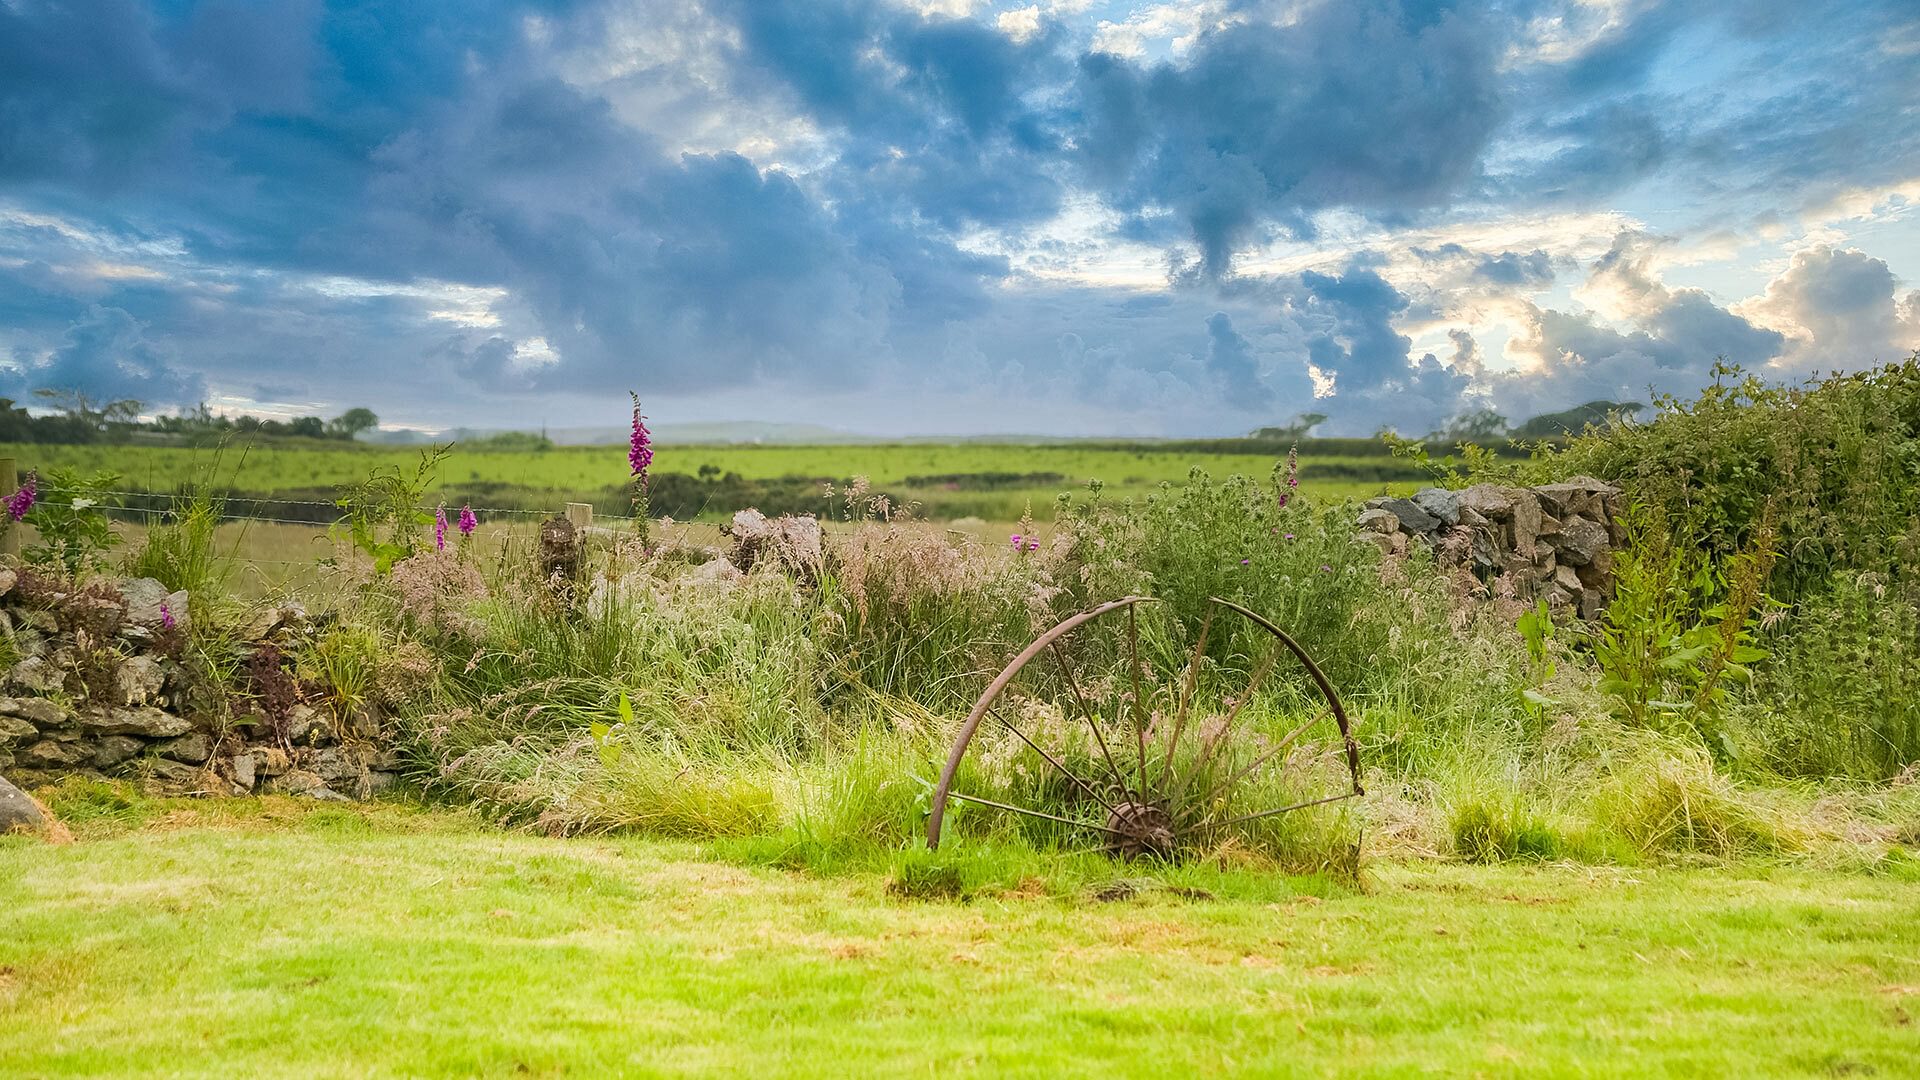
626,709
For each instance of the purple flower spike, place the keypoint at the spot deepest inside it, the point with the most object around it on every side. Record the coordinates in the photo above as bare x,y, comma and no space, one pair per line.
1293,478
468,522
1017,541
640,445
440,529
166,616
22,501
1033,544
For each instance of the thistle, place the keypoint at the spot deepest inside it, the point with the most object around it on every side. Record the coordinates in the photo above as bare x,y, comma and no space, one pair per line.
1292,484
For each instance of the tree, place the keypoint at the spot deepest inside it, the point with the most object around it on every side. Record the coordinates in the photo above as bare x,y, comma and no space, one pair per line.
351,423
1301,428
1478,426
1575,420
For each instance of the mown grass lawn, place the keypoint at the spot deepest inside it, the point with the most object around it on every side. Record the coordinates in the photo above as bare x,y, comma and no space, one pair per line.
278,940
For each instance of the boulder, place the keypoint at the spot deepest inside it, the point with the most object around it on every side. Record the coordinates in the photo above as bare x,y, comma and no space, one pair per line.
1378,521
192,748
240,768
1581,541
145,599
114,750
9,577
37,711
37,675
172,772
719,571
294,782
270,760
336,767
1441,503
18,813
138,680
1383,541
1489,500
15,730
143,721
795,544
1526,522
1412,517
54,754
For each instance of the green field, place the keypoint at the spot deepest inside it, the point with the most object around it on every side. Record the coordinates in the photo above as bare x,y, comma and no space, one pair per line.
994,482
266,938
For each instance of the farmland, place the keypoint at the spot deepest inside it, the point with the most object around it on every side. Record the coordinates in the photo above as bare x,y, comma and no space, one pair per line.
992,482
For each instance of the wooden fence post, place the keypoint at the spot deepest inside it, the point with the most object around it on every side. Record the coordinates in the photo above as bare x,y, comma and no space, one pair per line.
9,483
580,514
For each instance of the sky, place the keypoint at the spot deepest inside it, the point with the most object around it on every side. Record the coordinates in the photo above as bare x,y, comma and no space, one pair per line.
1195,217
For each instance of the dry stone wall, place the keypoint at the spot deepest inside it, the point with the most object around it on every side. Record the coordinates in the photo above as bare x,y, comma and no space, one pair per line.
1556,540
97,687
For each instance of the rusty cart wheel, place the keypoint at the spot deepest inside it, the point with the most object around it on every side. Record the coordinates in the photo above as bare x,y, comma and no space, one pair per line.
1153,758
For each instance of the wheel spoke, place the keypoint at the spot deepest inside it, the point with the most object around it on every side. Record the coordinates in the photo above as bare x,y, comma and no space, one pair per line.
1139,705
1211,745
1243,818
1051,760
1278,748
1186,695
963,797
1080,699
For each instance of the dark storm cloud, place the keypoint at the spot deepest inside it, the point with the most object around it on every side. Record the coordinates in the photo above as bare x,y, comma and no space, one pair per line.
105,355
1368,106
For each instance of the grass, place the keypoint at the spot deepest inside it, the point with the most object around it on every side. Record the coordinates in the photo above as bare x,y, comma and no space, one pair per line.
943,478
268,938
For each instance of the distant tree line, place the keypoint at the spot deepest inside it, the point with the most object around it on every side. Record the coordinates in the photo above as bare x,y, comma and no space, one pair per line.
1481,426
78,419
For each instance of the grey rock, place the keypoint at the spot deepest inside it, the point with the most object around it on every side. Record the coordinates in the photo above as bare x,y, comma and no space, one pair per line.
1581,540
1526,522
294,782
1474,519
54,754
40,619
147,722
1383,541
1489,500
18,813
301,723
241,769
9,577
1379,521
173,772
193,748
325,794
715,572
139,680
1592,604
795,544
1565,577
1412,517
114,750
1441,503
336,766
15,730
270,760
35,710
37,674
145,598
378,782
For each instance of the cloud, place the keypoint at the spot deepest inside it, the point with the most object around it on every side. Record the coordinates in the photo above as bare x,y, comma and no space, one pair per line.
1843,309
106,356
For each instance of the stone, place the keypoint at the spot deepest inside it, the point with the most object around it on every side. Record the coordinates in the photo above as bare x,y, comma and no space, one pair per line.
1592,604
336,767
378,782
1383,541
301,722
270,621
40,619
54,754
139,680
1379,521
1441,503
719,571
1526,522
1397,543
148,722
193,748
1474,519
34,710
1581,541
1566,500
172,772
1412,517
15,730
294,782
38,675
795,544
240,768
114,750
270,760
18,813
1549,527
1488,500
1565,577
9,577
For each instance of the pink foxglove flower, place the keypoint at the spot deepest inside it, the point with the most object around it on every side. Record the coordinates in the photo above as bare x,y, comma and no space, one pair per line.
640,444
468,522
22,501
440,529
1293,477
166,617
